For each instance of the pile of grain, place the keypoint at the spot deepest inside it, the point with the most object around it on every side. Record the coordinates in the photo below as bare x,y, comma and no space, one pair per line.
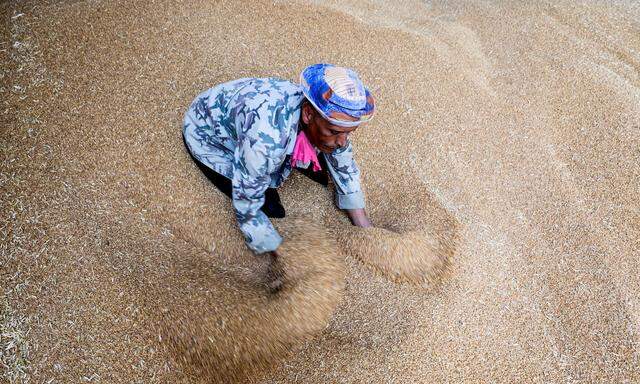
225,328
403,245
413,256
518,120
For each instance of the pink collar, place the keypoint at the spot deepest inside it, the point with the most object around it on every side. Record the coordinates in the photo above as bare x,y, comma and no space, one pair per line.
304,153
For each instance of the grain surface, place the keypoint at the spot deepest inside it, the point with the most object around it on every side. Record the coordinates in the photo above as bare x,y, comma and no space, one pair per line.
508,128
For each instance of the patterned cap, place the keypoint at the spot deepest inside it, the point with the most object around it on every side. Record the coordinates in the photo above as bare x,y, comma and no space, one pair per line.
338,94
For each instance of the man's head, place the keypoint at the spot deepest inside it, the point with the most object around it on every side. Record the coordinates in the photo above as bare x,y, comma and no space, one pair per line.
321,133
336,104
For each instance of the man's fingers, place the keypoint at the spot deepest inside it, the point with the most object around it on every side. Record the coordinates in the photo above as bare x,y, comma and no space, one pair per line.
275,276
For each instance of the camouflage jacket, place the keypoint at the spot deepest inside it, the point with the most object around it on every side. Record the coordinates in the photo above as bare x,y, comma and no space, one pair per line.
246,130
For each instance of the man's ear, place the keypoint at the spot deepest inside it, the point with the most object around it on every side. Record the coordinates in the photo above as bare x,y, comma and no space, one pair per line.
306,113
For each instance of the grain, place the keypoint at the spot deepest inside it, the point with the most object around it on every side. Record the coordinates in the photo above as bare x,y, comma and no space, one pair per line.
225,331
506,137
414,256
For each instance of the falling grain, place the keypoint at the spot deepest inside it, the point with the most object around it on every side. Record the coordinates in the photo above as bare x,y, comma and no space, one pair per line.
225,329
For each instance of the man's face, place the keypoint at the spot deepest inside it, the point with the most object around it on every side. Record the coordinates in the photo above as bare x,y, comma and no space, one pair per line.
321,133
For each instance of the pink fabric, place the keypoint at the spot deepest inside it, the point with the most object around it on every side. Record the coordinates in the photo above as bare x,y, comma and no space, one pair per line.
304,153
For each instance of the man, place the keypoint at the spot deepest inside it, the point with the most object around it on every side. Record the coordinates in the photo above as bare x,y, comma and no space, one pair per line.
246,135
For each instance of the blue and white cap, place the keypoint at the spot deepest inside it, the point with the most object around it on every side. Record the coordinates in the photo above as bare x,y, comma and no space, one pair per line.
338,94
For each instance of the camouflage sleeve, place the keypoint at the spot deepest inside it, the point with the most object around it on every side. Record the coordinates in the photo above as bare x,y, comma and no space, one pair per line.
254,160
346,177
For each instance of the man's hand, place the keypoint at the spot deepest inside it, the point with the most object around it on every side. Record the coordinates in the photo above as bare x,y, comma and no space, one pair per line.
275,273
273,256
359,217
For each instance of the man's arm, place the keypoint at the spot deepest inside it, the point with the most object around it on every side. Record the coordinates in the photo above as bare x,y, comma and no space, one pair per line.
346,177
252,166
